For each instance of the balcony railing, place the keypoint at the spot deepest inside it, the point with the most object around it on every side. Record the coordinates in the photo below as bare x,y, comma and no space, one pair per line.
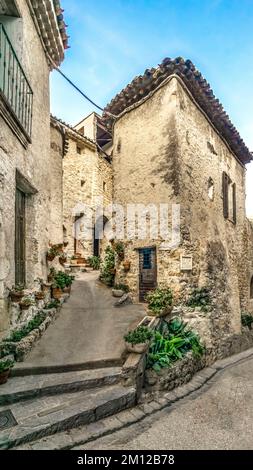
14,86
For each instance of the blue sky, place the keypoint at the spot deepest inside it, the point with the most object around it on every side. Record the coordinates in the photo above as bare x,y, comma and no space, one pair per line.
112,41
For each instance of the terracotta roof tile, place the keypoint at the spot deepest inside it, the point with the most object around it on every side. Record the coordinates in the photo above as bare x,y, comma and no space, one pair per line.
142,85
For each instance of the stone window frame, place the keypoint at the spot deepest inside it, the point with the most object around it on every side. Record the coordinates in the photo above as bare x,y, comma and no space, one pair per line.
229,198
251,288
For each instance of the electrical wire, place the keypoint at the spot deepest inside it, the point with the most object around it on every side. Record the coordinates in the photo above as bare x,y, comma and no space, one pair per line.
80,91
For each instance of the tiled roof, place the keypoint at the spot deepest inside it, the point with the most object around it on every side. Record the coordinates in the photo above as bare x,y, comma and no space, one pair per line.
49,20
70,131
142,85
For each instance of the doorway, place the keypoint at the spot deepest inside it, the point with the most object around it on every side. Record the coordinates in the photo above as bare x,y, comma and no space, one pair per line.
147,271
20,236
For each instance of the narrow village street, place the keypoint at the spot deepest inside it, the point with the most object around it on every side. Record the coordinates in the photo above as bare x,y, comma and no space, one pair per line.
88,330
126,227
218,416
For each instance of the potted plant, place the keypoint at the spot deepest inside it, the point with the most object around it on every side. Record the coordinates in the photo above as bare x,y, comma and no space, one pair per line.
26,302
17,292
160,301
127,265
39,295
5,367
94,262
52,253
137,341
56,291
62,259
120,250
51,275
46,287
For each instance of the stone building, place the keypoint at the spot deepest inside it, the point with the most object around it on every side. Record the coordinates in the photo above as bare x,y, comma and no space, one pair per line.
87,182
33,36
174,144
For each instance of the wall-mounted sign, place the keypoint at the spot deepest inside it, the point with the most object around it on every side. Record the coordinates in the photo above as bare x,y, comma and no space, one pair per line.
186,263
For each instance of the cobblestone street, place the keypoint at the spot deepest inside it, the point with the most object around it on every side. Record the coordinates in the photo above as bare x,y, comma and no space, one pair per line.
219,416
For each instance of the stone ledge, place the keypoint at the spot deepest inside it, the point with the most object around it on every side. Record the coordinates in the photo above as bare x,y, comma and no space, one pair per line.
21,348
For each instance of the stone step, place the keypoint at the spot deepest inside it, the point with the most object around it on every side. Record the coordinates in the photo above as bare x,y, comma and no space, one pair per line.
23,388
25,368
33,419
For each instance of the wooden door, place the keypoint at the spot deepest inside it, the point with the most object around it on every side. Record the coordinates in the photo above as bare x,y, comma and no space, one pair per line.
20,255
147,271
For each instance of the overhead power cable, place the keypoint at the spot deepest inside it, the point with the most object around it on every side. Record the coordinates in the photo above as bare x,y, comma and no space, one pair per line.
80,91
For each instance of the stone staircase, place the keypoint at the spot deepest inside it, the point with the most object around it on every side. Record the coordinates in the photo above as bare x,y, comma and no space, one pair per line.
33,407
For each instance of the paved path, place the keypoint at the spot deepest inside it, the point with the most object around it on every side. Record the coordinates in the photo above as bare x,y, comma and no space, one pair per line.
219,416
89,327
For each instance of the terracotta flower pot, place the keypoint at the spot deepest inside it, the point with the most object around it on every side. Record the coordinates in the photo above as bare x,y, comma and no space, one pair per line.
126,265
24,306
57,293
4,376
16,296
46,287
50,257
62,260
138,348
39,295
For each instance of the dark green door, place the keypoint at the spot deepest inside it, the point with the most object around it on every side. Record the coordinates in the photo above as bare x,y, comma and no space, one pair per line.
147,271
20,256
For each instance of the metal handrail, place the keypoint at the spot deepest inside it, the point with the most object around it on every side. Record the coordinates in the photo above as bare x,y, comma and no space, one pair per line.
14,85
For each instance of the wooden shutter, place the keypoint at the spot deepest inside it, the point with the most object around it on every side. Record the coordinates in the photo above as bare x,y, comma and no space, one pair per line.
234,202
225,182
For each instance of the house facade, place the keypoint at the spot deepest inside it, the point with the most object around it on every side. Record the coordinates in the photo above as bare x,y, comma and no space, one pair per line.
87,185
174,144
33,37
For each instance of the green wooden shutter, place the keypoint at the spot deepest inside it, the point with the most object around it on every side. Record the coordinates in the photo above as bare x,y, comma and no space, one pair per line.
234,203
225,181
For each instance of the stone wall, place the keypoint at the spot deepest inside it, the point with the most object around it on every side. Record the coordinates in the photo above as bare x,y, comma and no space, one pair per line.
56,189
166,150
35,165
145,171
215,243
87,180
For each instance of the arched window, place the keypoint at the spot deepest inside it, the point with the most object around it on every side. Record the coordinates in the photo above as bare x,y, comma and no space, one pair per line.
251,288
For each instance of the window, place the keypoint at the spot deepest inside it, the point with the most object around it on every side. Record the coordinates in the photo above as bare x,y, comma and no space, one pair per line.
229,198
251,288
104,186
14,86
82,183
78,149
147,259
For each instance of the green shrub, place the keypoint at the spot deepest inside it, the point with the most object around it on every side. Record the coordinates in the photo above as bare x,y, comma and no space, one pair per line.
6,364
53,251
140,335
171,342
94,262
28,300
62,280
159,299
107,272
52,304
119,249
17,335
200,297
123,287
247,320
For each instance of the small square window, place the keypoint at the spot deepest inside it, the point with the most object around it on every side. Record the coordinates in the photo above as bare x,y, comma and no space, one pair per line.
79,150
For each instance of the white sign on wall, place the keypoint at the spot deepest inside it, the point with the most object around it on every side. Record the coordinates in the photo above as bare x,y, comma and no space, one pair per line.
186,263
